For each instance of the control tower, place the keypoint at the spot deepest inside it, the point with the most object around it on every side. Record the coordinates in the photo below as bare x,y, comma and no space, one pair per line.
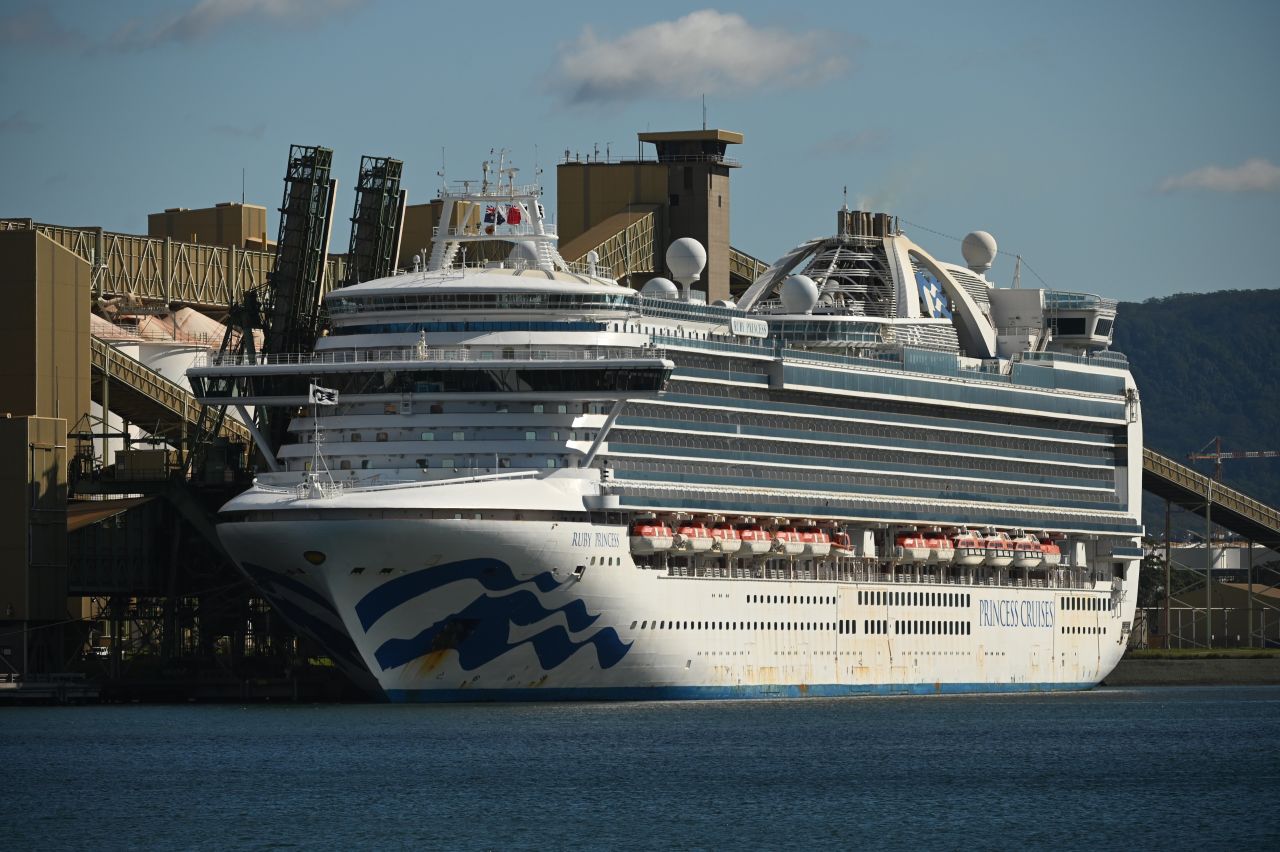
686,189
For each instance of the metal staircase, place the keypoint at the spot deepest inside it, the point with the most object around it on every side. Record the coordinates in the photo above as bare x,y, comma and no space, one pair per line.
143,397
1197,493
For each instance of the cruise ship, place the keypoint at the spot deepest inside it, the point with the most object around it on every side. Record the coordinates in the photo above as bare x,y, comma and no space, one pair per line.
516,479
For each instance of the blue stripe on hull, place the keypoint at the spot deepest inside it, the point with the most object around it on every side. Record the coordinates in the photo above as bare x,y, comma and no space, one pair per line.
683,693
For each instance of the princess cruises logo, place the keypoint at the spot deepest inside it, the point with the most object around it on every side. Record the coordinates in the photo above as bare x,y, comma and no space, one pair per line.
932,299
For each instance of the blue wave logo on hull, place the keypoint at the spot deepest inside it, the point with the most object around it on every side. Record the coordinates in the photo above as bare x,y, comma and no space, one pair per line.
479,632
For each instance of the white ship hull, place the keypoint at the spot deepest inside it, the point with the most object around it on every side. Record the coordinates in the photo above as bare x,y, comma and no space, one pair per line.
461,609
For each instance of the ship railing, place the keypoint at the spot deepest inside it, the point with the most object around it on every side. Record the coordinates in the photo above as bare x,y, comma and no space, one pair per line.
1062,300
427,353
498,191
339,487
500,232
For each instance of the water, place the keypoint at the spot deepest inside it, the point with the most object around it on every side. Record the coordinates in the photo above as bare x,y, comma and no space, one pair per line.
1160,768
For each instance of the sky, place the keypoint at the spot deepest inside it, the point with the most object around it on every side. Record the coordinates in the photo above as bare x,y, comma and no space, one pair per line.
1124,148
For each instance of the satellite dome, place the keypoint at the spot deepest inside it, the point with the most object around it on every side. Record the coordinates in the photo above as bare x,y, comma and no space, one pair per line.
979,250
523,251
799,294
660,288
686,258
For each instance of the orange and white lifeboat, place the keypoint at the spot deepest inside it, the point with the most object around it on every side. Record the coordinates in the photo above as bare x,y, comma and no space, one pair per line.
841,543
816,541
755,539
970,548
693,536
725,539
786,540
912,547
1026,552
999,550
1050,552
649,535
941,548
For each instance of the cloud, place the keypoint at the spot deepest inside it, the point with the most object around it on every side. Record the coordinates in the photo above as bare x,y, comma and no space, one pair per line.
1256,175
256,131
850,143
36,26
705,52
18,123
208,17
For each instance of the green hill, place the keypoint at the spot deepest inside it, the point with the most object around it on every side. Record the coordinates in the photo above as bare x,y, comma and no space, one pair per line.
1208,364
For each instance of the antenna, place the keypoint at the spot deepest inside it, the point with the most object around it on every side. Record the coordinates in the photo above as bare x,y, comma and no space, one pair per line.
704,110
1017,271
242,188
440,174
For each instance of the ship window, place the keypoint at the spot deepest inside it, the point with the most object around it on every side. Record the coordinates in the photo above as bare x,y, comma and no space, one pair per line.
364,464
538,408
345,464
382,436
633,625
356,437
531,436
447,461
1103,329
551,462
459,436
1067,325
427,436
643,625
421,462
674,200
562,408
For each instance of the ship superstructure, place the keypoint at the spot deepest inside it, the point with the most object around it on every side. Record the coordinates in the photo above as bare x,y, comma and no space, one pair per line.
877,472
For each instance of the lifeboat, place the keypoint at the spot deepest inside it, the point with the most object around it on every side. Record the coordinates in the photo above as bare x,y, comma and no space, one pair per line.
970,549
999,550
1026,552
755,539
1050,552
649,535
725,539
786,540
941,548
693,536
842,543
912,547
816,541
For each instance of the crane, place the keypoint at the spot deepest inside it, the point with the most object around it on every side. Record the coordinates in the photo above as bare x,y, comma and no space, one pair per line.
1218,455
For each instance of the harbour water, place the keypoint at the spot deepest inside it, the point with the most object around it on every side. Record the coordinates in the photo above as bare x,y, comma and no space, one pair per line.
1153,768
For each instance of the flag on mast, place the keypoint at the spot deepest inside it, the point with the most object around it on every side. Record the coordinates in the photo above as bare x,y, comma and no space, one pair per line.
322,396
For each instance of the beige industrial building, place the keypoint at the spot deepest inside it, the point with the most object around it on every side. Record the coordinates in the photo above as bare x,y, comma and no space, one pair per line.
228,224
44,386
